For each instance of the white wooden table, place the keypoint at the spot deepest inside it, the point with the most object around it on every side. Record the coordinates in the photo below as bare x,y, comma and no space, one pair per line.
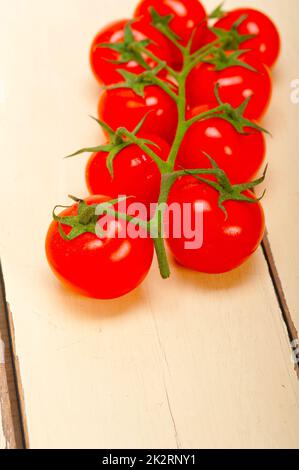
192,362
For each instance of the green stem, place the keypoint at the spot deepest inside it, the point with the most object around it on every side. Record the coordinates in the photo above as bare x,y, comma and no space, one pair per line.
181,127
174,41
162,257
159,61
177,143
200,171
162,84
155,226
205,49
128,218
183,124
206,115
199,55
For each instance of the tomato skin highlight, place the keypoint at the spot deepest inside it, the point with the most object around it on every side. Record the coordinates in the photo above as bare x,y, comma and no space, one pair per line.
227,243
236,83
123,107
105,71
105,268
135,173
266,44
239,155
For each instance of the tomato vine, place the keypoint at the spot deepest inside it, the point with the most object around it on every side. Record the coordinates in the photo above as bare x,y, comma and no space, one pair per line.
132,50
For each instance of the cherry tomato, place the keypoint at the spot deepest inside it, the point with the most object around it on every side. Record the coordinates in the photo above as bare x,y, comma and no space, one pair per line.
266,44
102,268
227,242
236,83
102,60
135,173
123,107
187,15
239,155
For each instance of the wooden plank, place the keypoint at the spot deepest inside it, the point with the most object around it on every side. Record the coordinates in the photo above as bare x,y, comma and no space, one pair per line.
196,361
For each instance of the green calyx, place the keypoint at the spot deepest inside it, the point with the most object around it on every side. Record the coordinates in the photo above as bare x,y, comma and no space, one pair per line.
235,116
86,219
225,111
118,141
129,49
137,82
84,222
115,145
114,140
162,24
222,60
218,13
232,39
227,191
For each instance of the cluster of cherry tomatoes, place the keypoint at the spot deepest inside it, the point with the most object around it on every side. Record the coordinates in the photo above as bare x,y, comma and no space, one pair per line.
183,94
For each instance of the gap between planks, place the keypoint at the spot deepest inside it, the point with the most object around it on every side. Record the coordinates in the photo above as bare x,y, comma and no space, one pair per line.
12,416
281,298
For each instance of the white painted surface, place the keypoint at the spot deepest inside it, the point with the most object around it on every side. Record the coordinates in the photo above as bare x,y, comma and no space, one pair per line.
195,361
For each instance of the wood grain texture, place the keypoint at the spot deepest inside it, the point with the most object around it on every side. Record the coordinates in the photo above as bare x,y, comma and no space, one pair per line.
196,361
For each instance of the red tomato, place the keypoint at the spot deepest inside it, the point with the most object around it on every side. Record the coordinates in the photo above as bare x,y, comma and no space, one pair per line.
239,155
266,44
236,83
201,39
227,243
101,58
123,107
102,268
135,173
187,15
